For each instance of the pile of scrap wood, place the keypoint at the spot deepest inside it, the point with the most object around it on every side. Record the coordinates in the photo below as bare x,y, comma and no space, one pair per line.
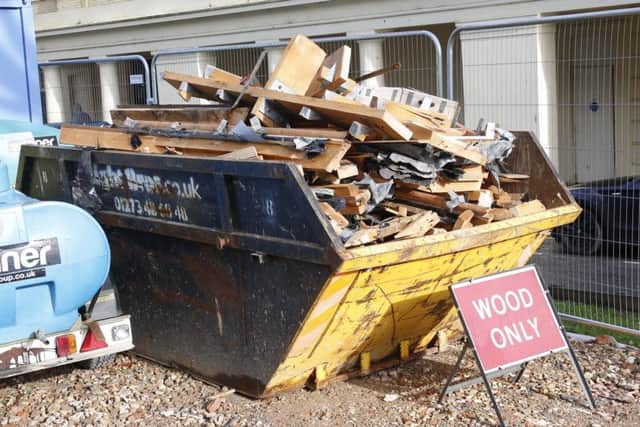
384,163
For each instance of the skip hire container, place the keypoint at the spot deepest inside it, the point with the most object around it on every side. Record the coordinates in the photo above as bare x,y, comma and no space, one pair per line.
231,271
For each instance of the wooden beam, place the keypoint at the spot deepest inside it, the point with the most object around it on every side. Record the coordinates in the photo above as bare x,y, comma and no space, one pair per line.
215,73
336,112
305,132
295,72
464,220
179,113
435,201
421,224
248,153
451,145
333,72
116,139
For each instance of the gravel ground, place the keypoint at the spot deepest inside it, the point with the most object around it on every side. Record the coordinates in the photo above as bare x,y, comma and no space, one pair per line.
134,391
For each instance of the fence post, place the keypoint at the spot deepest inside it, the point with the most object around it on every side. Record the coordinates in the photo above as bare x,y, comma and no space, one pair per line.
51,80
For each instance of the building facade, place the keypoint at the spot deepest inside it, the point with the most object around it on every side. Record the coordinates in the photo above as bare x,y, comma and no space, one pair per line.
574,84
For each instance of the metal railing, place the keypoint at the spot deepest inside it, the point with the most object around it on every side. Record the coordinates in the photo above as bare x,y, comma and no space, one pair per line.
418,52
574,80
85,90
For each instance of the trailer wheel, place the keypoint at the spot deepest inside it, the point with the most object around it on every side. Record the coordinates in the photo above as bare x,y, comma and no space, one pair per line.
97,362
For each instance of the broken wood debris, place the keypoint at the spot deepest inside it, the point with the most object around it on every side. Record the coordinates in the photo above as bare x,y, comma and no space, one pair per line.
384,163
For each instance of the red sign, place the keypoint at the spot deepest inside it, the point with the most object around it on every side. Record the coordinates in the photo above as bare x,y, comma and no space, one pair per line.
508,318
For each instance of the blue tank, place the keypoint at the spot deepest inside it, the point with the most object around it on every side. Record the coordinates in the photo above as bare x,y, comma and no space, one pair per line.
54,257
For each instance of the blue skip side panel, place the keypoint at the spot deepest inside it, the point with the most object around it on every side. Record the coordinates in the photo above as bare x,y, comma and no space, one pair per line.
54,257
19,79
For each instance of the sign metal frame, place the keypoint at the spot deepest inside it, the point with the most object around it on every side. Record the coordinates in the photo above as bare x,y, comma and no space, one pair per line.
517,367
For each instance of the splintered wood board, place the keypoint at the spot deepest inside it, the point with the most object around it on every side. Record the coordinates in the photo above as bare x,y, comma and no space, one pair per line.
215,73
434,104
421,125
336,112
151,124
179,113
306,132
295,72
336,70
457,148
247,153
116,139
472,173
420,117
445,186
442,185
421,224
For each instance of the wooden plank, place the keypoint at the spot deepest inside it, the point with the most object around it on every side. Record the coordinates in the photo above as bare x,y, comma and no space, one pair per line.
179,113
117,139
401,207
247,153
482,219
338,113
472,173
359,131
442,185
420,125
333,72
218,74
500,214
106,138
337,221
528,208
347,169
483,198
513,175
295,72
336,97
434,200
305,132
422,223
151,124
459,149
344,190
392,227
356,204
362,237
413,114
464,220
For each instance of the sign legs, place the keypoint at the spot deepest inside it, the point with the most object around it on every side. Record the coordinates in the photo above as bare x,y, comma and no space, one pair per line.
453,373
450,388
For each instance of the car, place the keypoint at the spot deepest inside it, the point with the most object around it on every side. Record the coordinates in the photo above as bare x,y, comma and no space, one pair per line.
611,214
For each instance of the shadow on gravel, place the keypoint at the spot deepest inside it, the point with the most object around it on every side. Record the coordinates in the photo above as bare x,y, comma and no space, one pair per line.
419,378
47,374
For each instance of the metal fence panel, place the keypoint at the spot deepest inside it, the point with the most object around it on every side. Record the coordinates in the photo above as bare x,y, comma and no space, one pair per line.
418,52
85,90
574,82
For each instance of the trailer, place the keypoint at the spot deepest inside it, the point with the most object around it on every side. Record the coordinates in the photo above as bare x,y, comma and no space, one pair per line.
54,257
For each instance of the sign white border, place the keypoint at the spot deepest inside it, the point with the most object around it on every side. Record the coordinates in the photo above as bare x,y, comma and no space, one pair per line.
546,298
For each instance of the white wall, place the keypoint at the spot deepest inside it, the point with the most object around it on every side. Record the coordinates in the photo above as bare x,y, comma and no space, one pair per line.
151,25
193,64
500,77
